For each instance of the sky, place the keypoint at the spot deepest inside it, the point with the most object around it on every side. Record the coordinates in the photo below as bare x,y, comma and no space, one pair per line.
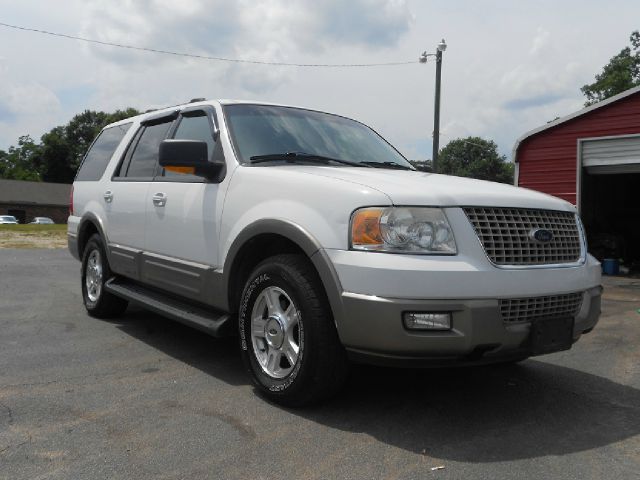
509,66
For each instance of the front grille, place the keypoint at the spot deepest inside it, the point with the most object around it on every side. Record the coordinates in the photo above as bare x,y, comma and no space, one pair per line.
505,234
515,310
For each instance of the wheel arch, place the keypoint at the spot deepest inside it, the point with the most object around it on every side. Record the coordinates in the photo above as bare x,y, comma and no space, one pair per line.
268,237
89,225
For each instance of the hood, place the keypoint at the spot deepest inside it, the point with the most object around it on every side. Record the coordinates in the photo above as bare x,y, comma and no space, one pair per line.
405,187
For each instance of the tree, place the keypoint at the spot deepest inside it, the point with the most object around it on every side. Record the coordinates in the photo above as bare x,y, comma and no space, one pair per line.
79,133
20,163
422,165
58,156
620,74
122,114
84,127
57,162
476,158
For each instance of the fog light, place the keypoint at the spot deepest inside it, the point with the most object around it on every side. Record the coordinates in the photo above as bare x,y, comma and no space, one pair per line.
427,321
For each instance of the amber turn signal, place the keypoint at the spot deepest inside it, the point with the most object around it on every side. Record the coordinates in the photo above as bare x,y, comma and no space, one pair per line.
183,170
365,227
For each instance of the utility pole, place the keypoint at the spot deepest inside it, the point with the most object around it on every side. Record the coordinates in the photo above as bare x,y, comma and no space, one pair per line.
442,46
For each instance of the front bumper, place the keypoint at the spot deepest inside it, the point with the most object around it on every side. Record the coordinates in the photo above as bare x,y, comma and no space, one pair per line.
478,333
375,289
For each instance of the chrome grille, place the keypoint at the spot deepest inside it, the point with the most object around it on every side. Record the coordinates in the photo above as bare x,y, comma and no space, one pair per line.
515,310
505,235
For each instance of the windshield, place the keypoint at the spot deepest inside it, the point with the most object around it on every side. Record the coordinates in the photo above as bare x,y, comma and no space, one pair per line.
258,130
8,218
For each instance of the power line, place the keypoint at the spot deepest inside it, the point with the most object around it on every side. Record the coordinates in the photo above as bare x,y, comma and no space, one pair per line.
206,57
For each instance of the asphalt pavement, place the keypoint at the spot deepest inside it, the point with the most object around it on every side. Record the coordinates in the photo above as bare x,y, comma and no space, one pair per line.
146,398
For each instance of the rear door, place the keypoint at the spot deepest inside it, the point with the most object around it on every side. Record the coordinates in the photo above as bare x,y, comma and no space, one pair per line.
181,246
126,195
92,183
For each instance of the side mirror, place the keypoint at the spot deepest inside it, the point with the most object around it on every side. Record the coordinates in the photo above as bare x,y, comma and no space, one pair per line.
188,156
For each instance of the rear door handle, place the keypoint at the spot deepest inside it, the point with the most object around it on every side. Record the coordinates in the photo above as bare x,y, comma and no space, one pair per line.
159,199
108,196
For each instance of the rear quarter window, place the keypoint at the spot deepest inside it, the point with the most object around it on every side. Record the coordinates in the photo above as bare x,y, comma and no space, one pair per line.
97,158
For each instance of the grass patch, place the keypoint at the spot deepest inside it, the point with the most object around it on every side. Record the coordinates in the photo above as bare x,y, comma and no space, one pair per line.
61,227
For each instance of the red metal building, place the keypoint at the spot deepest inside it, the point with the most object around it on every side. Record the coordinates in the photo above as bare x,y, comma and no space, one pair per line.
591,158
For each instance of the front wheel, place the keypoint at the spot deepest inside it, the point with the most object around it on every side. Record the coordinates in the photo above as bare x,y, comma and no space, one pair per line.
95,272
289,342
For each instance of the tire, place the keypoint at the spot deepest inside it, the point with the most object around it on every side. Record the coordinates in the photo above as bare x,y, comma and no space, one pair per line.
284,306
95,272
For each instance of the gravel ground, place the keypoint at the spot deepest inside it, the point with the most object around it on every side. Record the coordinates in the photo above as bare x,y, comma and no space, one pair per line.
143,397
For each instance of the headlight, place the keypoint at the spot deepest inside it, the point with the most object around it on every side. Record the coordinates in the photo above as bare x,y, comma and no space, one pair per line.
402,230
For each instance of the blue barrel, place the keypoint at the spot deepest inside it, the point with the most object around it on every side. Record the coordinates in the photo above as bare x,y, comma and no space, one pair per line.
610,266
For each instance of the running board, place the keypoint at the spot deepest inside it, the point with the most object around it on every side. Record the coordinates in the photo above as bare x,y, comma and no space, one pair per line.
214,323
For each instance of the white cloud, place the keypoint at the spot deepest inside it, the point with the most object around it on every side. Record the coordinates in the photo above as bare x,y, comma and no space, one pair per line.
542,78
540,41
239,29
29,97
271,30
29,104
509,67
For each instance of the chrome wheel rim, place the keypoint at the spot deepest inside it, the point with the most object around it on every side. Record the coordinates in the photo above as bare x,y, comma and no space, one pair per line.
93,276
276,332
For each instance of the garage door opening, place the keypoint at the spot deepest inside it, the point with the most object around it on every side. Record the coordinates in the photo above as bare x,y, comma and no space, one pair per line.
610,210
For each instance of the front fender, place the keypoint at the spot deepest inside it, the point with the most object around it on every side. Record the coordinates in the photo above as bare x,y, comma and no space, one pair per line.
303,239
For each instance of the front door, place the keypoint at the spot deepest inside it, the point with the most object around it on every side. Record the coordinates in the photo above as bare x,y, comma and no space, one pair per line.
181,245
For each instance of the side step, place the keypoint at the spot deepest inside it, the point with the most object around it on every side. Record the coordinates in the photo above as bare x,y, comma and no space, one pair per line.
214,323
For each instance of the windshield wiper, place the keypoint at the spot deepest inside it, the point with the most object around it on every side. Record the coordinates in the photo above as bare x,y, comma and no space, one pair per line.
292,157
387,165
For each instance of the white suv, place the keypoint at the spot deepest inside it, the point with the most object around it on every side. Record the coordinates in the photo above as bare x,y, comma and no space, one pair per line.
314,240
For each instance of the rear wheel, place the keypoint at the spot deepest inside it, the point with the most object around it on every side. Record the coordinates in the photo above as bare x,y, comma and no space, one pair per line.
289,342
95,272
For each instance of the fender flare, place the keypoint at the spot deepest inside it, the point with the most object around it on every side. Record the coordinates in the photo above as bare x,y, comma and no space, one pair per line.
303,239
91,218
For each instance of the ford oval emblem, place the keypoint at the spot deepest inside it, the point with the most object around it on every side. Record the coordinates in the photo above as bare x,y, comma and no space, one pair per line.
541,235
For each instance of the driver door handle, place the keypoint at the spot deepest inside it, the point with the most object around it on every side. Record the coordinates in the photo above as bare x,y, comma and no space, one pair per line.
108,196
159,199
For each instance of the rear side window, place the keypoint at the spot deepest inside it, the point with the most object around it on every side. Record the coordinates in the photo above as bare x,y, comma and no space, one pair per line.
145,156
97,158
